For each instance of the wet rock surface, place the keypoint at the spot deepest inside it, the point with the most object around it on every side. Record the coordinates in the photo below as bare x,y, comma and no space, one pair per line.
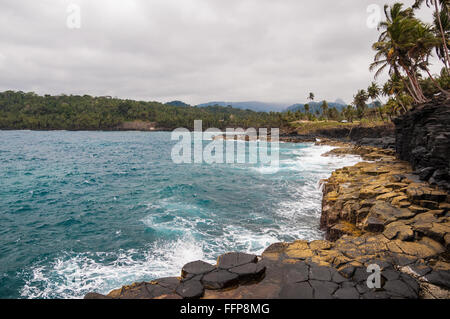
374,213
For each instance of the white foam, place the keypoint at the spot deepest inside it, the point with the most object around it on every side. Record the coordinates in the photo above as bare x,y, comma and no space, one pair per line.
74,276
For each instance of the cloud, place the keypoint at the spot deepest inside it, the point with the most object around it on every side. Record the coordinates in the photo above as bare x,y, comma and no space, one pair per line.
192,50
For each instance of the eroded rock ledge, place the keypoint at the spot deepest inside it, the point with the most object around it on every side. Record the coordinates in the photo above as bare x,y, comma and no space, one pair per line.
375,212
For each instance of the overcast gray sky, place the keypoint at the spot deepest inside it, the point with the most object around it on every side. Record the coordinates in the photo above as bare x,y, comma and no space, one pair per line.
191,50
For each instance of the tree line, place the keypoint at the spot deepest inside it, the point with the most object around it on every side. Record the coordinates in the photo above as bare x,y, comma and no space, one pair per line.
20,110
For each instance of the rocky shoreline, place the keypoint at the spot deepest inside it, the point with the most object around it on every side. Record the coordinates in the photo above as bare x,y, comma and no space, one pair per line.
375,212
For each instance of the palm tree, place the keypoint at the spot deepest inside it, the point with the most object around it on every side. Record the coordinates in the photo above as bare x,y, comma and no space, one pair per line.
348,113
374,92
421,53
324,108
395,87
404,45
440,19
307,108
359,101
311,96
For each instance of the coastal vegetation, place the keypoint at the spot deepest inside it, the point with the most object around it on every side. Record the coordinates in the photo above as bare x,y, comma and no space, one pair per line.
19,110
404,49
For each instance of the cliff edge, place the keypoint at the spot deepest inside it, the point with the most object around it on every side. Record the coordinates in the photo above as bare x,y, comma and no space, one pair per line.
423,139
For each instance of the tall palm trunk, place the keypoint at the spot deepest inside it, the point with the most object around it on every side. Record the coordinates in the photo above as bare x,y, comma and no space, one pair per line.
418,95
410,91
444,40
418,87
415,84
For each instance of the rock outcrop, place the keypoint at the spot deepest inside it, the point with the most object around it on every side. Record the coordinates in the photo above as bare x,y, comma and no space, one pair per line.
423,139
382,136
374,213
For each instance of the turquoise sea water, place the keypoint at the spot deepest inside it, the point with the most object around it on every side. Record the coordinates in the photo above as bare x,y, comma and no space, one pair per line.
92,211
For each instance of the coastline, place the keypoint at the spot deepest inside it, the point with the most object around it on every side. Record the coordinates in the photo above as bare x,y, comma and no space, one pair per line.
375,212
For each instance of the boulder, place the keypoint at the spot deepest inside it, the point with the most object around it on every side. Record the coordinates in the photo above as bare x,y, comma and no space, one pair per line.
220,279
196,268
231,260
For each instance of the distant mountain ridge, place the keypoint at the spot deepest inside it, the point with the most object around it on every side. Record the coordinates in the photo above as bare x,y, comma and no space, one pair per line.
177,103
258,106
250,105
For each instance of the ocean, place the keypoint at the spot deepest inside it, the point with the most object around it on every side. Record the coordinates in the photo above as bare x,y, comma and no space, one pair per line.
92,211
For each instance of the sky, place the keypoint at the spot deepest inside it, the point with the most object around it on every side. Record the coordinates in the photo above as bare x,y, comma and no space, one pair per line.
190,50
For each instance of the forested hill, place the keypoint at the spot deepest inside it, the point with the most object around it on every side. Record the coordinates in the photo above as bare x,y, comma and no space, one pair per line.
19,110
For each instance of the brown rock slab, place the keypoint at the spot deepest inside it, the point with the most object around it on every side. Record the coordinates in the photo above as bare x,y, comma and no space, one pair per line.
387,196
168,282
235,259
190,289
399,288
299,253
320,245
196,268
323,289
301,290
296,273
423,249
388,213
399,230
249,272
346,293
220,279
274,251
94,295
373,224
319,273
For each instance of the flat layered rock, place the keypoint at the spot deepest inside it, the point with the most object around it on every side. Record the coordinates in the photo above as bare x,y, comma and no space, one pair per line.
231,260
301,290
399,288
399,230
168,282
298,272
96,296
220,279
249,272
196,268
388,213
319,273
190,289
142,290
347,293
323,289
